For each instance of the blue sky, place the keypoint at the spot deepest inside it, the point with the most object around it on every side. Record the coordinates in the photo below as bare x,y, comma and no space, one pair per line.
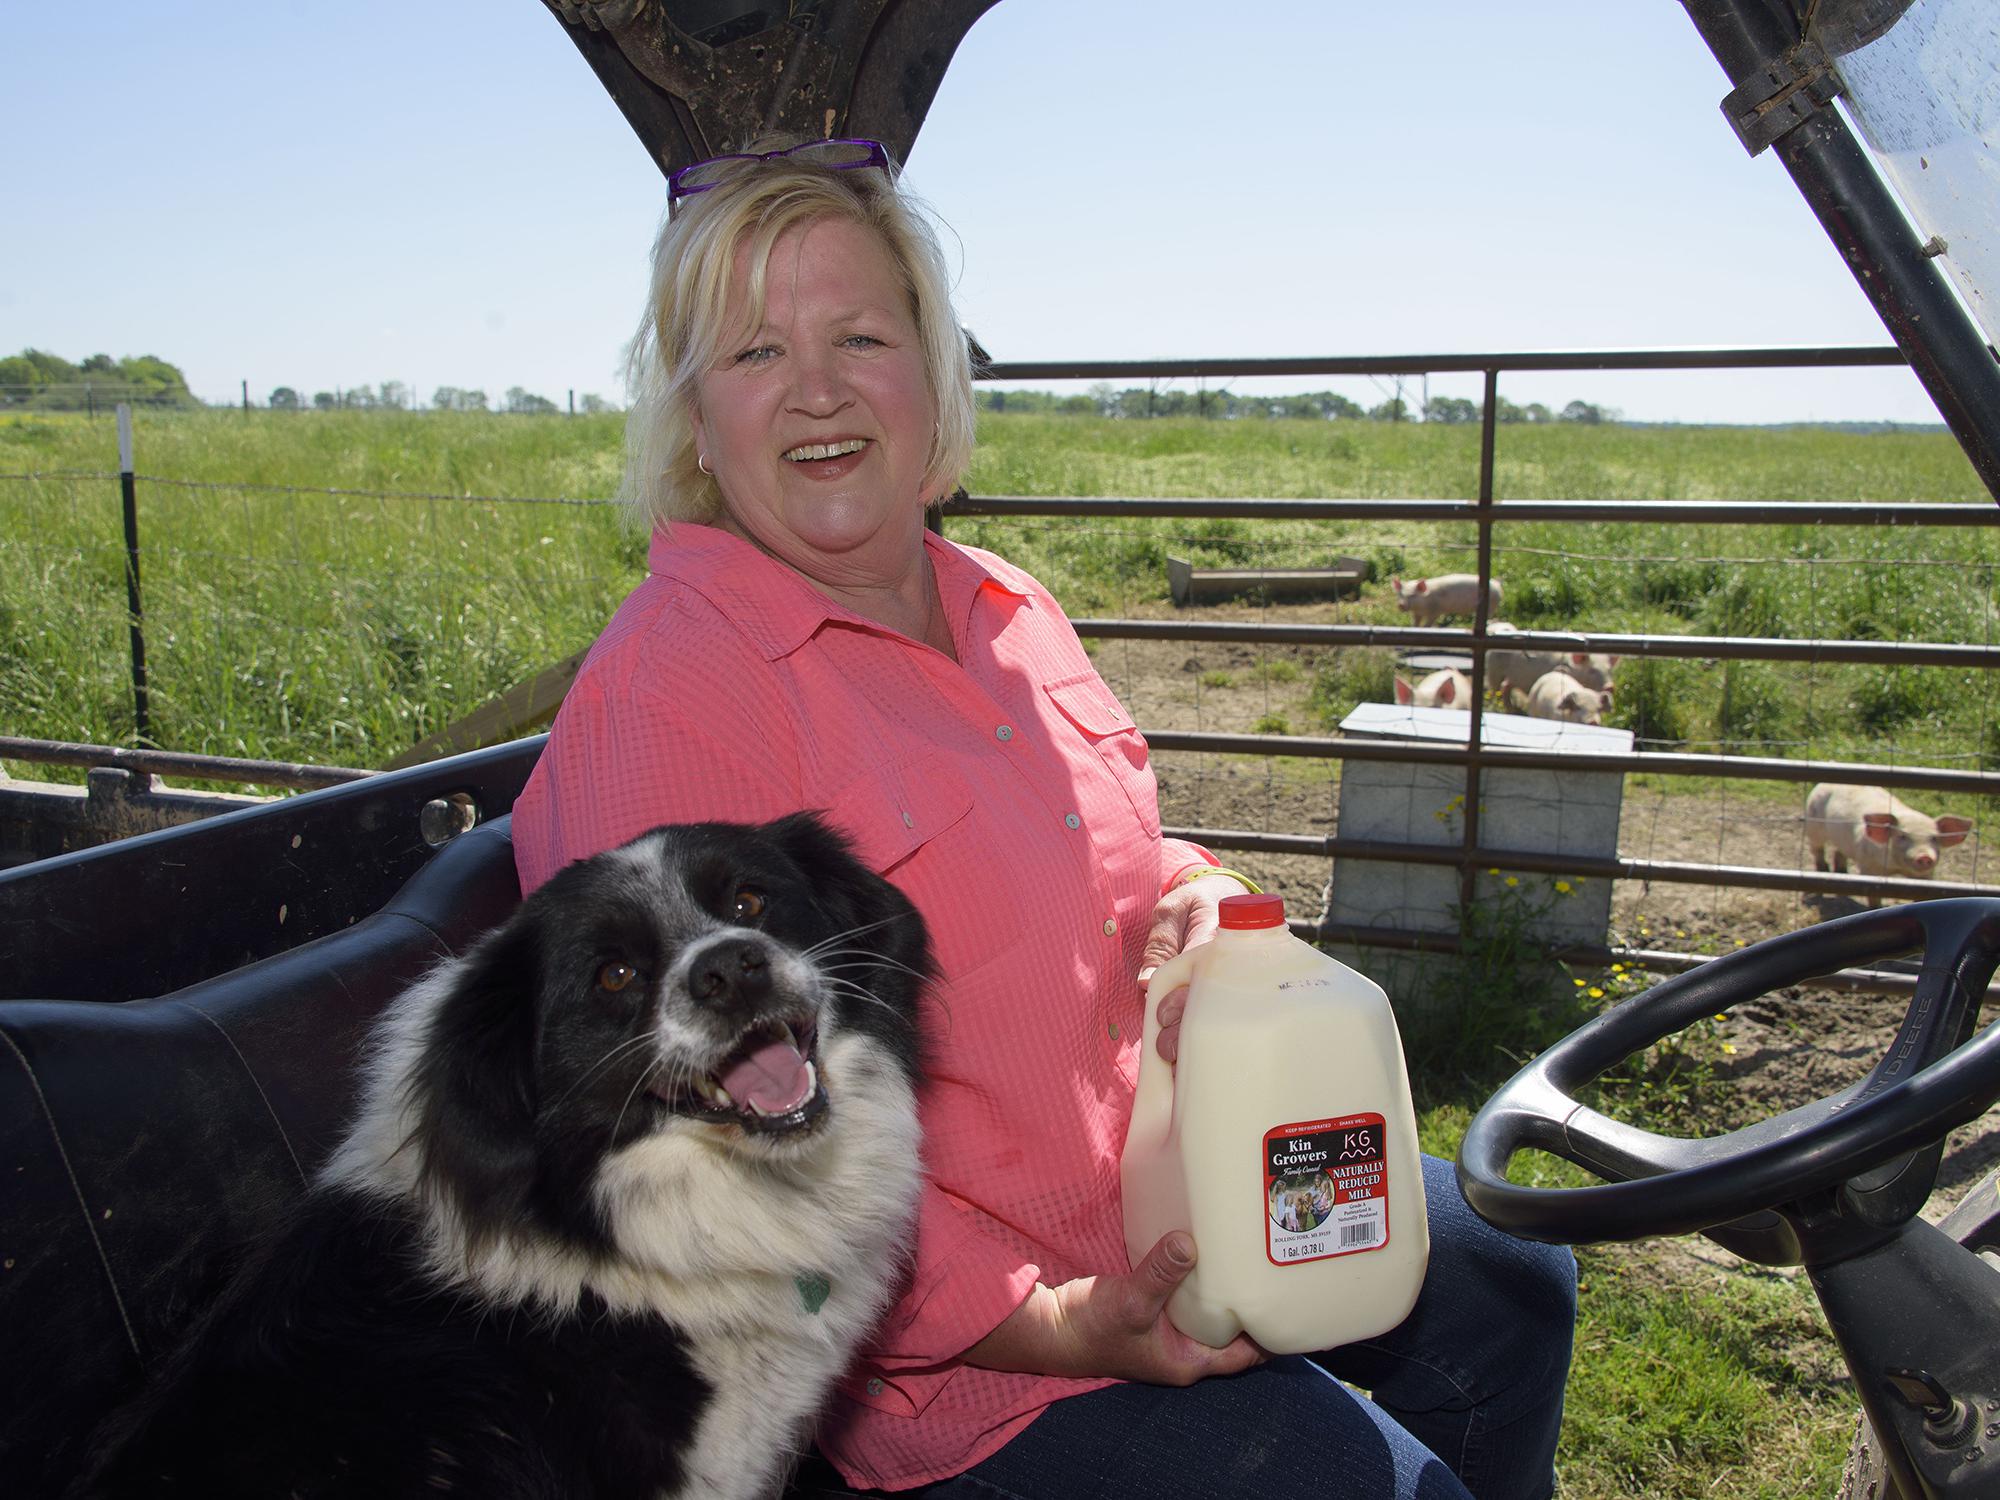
321,194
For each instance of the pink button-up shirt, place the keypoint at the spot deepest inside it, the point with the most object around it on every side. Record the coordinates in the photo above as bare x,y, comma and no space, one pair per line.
1008,794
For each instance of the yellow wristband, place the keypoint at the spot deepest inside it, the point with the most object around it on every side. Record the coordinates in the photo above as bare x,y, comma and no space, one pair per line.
1200,870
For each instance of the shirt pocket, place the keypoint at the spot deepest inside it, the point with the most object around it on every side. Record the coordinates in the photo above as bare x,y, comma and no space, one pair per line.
903,1395
1094,710
919,824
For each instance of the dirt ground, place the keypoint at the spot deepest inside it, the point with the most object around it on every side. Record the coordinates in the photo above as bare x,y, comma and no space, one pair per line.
1788,1048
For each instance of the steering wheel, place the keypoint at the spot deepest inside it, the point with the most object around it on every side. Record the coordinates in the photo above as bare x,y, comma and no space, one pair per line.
1933,1077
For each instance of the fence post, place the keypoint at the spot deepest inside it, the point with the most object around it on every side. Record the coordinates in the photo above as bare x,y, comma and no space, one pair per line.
572,401
1489,416
142,725
246,395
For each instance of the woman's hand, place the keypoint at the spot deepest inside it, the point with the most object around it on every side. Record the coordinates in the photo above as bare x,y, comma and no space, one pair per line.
1113,1325
1186,915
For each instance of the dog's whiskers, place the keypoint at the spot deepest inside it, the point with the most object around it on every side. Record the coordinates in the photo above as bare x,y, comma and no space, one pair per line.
604,1062
851,932
637,1084
874,961
858,992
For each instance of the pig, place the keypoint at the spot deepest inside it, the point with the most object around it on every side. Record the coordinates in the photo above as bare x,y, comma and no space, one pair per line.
1431,599
1557,695
1439,690
1868,827
1511,671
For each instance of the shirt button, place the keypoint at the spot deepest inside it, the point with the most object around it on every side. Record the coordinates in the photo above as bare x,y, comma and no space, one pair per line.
1004,732
908,821
1071,820
1113,1029
874,1387
1110,926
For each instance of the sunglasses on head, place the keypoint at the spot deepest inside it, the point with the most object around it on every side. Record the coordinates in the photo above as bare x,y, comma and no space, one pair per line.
836,155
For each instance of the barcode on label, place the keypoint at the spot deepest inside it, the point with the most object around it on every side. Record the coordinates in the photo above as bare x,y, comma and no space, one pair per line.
1355,1234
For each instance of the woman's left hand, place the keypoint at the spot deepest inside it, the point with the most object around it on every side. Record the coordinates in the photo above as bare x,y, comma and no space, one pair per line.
1186,916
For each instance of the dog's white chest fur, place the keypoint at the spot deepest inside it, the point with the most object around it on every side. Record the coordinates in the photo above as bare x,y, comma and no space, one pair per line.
759,1421
827,1248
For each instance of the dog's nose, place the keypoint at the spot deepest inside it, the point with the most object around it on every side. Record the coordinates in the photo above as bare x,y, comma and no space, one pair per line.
732,970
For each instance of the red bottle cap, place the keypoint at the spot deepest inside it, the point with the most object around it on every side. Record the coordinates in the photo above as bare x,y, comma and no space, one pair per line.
1253,911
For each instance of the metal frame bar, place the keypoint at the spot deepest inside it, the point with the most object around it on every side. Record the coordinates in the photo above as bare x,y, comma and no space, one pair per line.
1433,638
293,775
1706,357
1673,512
1839,183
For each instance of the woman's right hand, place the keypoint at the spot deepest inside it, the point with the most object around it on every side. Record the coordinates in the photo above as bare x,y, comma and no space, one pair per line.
1114,1326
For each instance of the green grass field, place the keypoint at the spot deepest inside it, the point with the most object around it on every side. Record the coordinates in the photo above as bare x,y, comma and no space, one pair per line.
290,623
332,587
299,624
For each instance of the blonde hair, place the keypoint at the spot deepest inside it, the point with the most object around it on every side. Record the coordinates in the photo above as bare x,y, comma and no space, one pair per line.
684,333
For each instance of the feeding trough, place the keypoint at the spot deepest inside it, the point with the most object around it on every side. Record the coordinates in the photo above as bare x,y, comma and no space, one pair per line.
1192,585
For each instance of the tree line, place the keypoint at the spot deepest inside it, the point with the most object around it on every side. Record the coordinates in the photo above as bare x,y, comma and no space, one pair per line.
393,395
48,382
1152,401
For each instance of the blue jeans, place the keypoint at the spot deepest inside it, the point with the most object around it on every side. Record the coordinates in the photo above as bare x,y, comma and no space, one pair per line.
1467,1397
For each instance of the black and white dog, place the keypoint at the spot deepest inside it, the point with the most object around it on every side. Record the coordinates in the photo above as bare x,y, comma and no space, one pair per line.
629,1182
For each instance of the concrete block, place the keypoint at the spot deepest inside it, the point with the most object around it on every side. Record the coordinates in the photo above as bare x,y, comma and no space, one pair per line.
1533,811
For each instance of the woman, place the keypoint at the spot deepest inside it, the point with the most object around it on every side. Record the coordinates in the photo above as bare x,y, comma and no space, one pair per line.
802,641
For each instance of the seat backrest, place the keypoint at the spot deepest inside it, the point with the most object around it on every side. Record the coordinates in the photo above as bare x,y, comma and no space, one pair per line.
143,1144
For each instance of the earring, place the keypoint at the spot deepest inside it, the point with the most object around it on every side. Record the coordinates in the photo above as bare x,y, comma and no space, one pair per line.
701,463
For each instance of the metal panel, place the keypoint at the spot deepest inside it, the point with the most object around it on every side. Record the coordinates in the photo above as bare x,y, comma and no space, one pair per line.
163,910
695,78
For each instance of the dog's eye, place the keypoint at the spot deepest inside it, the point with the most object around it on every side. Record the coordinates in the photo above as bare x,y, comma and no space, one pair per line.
615,976
749,905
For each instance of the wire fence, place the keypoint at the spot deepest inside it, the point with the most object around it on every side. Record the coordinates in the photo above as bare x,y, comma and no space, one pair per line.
101,398
341,624
92,396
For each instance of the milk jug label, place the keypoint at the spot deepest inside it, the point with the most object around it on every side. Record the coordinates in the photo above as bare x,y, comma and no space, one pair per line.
1326,1188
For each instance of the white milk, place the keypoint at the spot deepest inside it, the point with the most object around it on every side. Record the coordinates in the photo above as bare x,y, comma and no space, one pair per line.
1284,1140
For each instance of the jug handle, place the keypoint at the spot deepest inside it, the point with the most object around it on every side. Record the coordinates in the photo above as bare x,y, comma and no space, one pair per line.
1153,1103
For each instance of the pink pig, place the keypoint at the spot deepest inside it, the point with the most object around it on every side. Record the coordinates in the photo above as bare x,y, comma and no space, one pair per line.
1431,599
1868,827
1439,690
1510,671
1557,695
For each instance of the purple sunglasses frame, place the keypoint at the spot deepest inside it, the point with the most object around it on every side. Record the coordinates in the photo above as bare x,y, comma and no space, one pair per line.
678,188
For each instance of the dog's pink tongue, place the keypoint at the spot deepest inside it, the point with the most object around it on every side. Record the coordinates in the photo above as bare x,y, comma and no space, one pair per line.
772,1078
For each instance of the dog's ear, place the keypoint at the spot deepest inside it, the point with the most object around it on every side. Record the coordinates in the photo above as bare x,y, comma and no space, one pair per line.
475,1085
851,895
854,899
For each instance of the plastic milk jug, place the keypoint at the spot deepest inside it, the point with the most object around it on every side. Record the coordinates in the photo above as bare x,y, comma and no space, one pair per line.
1283,1139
